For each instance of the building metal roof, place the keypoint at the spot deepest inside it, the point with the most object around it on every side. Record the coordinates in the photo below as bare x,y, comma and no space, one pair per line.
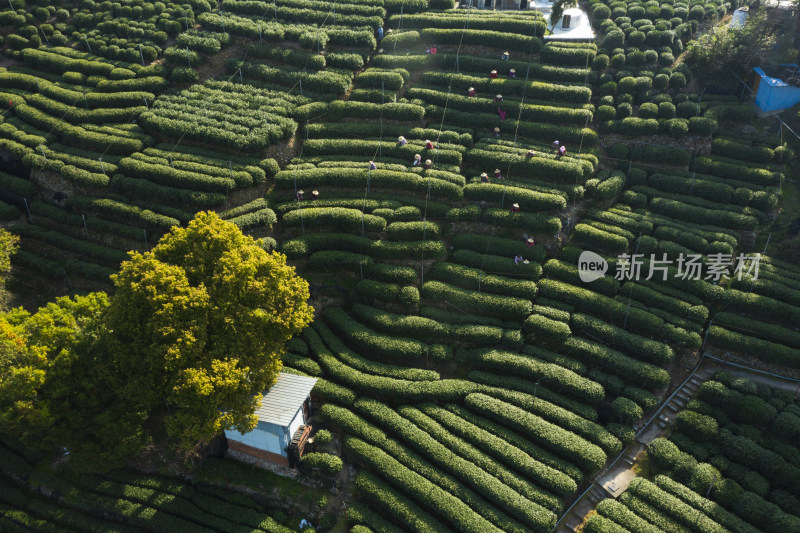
281,402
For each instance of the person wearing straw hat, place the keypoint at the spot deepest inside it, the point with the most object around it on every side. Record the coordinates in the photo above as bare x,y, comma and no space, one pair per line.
300,195
401,141
497,174
496,132
372,165
314,194
428,145
472,92
505,56
417,160
484,177
498,98
515,207
428,164
512,73
493,75
530,242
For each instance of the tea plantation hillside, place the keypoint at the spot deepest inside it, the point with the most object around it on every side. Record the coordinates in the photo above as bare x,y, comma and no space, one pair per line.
472,379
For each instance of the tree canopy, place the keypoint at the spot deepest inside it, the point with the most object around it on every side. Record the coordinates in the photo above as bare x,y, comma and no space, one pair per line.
723,49
192,336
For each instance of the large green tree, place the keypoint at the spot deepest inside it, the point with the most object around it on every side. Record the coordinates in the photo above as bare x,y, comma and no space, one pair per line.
198,327
9,244
39,356
192,335
722,49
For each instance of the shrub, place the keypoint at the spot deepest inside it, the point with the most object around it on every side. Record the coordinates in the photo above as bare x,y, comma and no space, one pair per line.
660,82
545,329
411,231
341,218
605,112
627,85
678,127
458,420
613,39
477,457
666,110
585,454
700,427
502,307
702,126
600,62
532,368
651,350
370,341
415,485
529,200
373,78
626,411
325,463
600,239
677,80
566,55
643,374
495,39
475,279
350,61
184,75
648,110
624,110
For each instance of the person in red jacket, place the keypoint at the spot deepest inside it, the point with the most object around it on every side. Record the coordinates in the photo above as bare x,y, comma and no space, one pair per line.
428,145
493,75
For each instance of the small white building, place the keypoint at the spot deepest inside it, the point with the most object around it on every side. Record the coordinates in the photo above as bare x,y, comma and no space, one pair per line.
574,25
282,424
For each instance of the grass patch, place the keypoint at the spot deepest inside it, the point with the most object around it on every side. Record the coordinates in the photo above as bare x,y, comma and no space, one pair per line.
644,466
226,472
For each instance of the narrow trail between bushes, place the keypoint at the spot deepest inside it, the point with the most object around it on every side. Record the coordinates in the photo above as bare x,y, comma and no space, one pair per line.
614,480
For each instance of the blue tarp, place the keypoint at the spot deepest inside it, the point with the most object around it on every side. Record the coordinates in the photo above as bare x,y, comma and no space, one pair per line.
773,92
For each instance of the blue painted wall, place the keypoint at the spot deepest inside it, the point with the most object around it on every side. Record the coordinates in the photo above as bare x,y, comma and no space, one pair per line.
264,435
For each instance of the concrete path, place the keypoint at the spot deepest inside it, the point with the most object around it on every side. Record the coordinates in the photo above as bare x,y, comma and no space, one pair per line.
614,480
